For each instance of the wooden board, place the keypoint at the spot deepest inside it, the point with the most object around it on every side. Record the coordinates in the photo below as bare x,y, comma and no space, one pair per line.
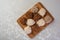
35,16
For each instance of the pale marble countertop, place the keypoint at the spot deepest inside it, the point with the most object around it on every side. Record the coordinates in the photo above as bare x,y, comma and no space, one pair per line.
11,10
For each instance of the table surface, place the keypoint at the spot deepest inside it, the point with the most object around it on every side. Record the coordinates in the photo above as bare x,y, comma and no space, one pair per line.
11,10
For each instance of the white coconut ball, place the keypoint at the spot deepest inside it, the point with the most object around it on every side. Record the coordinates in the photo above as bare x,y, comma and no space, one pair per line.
47,19
30,22
40,22
28,29
34,9
42,12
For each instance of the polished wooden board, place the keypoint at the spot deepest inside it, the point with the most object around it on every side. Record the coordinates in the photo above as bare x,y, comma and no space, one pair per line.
35,16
